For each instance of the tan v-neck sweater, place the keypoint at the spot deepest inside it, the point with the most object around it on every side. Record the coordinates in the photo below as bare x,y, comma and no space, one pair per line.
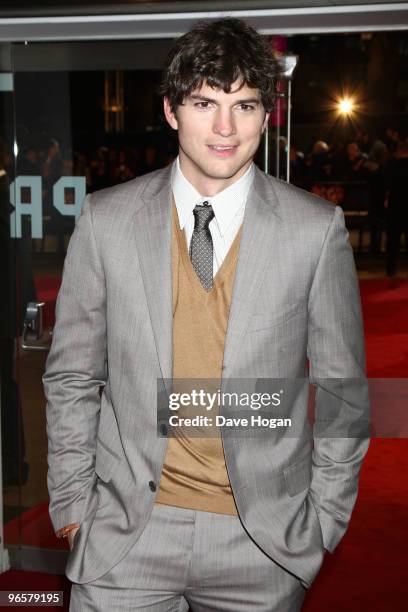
194,473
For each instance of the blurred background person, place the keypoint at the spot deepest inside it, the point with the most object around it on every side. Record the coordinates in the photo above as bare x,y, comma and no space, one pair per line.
397,207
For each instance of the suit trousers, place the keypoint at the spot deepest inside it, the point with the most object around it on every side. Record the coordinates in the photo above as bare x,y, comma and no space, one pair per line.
189,558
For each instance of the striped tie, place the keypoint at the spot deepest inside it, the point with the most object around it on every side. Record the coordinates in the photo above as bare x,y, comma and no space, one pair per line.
201,245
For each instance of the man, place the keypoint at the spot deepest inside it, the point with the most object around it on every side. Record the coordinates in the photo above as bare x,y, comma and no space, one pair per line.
207,269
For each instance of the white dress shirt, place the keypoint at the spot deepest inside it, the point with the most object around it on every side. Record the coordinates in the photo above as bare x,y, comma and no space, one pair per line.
228,207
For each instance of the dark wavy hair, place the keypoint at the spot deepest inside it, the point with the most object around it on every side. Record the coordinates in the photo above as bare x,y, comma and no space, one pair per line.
220,52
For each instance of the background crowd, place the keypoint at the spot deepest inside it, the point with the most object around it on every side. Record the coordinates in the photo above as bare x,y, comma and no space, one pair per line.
366,175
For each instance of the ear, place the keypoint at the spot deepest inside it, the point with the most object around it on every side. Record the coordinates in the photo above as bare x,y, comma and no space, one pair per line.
168,113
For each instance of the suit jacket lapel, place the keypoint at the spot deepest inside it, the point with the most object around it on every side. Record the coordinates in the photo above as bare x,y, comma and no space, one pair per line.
153,240
260,224
153,224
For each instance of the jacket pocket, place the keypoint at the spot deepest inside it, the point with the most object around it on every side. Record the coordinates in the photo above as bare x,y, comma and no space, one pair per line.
106,460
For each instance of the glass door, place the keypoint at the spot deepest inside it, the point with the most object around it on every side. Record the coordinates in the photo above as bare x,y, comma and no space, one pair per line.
40,204
12,442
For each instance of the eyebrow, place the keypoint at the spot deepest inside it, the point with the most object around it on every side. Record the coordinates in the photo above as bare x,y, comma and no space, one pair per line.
205,99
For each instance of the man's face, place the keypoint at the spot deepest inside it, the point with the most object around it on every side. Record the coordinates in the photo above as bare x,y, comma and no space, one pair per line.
219,134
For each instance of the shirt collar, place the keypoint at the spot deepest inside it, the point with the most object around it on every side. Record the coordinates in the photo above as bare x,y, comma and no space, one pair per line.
226,204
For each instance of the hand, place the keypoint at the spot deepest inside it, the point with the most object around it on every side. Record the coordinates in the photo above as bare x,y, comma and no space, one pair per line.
71,537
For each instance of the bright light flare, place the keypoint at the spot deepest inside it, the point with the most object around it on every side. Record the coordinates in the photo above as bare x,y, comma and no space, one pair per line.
346,106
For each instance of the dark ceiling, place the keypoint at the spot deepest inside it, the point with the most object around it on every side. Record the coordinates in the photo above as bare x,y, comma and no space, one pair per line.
25,8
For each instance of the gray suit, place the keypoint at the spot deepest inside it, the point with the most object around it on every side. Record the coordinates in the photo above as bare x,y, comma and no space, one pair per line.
295,297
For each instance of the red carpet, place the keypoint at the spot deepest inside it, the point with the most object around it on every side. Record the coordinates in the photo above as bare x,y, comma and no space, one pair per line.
386,328
369,569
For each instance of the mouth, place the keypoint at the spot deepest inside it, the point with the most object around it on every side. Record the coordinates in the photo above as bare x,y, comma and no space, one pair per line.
223,150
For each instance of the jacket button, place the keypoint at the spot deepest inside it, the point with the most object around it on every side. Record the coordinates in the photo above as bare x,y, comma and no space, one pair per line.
152,485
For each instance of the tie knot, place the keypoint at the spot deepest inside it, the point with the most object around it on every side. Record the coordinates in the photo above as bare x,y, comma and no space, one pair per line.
202,217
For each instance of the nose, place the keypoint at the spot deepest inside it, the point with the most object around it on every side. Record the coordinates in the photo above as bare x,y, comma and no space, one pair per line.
224,123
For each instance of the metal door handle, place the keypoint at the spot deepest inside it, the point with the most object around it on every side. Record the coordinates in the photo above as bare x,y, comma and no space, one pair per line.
33,331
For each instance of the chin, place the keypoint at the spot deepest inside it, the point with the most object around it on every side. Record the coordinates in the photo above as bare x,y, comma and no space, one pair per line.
223,172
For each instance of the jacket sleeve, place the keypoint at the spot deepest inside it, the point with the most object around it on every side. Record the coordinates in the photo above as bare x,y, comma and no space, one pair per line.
337,369
76,370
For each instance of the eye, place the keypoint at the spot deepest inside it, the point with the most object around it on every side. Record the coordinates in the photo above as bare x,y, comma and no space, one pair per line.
246,107
202,104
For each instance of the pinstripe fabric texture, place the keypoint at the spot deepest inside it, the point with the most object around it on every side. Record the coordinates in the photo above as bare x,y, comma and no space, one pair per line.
191,557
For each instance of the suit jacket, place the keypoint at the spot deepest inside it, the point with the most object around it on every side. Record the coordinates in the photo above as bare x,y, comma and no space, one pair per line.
295,298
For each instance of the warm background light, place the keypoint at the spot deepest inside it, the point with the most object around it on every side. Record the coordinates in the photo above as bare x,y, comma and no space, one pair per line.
345,106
